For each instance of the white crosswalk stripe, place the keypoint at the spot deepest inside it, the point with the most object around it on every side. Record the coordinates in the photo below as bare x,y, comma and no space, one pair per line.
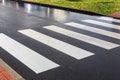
30,58
82,37
95,30
64,47
109,25
109,19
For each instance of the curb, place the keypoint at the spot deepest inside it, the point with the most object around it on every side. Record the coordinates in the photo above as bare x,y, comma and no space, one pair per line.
7,73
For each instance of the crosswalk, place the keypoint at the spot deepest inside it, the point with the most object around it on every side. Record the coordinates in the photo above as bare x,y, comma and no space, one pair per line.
93,29
82,37
30,58
57,44
109,19
108,25
39,63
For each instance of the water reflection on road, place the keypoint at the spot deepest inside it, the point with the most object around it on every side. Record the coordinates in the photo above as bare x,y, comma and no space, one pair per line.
52,13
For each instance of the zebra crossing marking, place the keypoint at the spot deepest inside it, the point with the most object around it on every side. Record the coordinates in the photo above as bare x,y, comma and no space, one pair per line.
30,58
109,19
95,30
82,37
64,47
102,24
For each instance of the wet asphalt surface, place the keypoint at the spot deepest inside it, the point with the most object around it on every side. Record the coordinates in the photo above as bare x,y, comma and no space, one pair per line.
104,65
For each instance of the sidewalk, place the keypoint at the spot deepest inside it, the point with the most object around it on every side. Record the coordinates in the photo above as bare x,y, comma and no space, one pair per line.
116,15
7,73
